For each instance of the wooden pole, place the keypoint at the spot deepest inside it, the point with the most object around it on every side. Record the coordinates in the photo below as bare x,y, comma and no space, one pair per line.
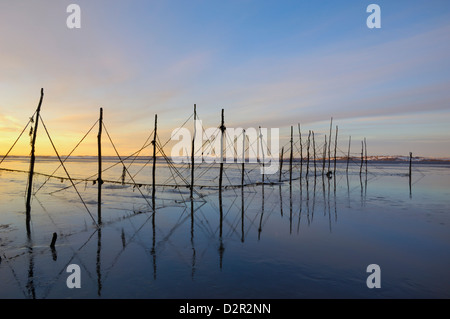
192,152
362,157
192,238
307,160
221,246
52,244
154,163
410,174
410,164
222,128
314,152
32,160
262,213
301,150
281,200
243,158
365,147
262,185
291,156
324,155
290,209
99,178
348,154
243,215
52,247
335,147
262,153
281,163
329,144
124,169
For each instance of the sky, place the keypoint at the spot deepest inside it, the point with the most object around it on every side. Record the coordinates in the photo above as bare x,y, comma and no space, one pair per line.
266,63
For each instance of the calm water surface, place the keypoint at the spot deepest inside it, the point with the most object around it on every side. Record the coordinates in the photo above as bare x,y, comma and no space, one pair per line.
311,239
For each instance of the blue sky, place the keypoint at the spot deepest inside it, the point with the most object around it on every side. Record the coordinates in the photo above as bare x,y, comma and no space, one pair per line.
268,63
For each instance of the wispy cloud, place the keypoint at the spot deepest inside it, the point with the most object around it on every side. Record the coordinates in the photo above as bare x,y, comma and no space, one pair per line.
255,64
9,123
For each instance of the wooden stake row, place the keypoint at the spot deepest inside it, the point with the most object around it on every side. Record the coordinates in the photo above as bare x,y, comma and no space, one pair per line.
223,129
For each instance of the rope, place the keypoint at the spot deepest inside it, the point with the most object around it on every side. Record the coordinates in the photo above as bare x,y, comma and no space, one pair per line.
15,142
162,147
104,170
73,150
117,153
62,164
175,169
146,145
179,129
170,169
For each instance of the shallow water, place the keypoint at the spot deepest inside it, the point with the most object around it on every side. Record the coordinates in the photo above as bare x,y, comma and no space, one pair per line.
312,239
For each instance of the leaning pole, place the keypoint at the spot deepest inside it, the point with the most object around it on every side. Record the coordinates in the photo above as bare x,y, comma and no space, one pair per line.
32,160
